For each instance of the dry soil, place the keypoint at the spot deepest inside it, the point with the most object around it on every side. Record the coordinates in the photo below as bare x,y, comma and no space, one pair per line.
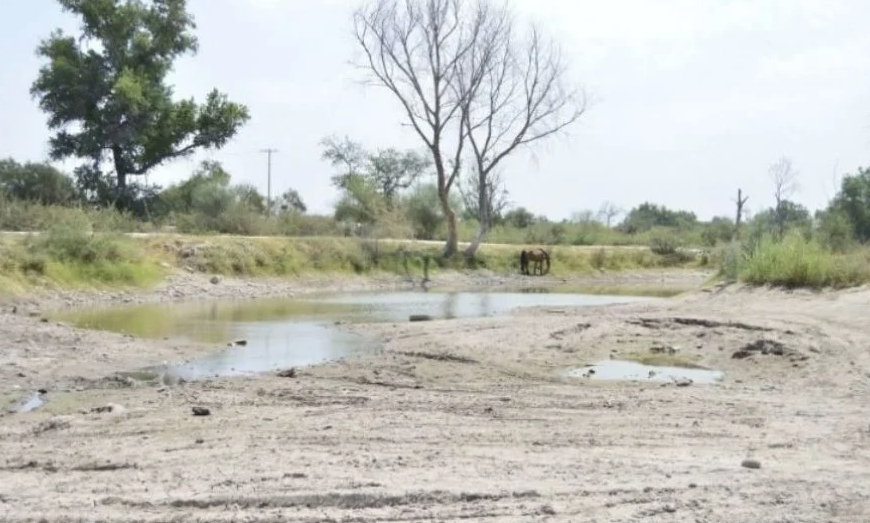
471,420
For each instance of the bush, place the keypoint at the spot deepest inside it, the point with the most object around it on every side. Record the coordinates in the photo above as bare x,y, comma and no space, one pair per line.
798,262
664,243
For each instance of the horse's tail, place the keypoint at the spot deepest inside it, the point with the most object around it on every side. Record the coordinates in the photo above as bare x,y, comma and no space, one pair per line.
546,259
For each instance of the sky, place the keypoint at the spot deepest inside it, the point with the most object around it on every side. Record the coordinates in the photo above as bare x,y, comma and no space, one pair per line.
691,100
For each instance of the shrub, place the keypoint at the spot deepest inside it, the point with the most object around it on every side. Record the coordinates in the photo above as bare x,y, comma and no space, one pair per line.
796,261
664,243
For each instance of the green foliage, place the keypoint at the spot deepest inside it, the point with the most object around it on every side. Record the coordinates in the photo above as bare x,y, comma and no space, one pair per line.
648,215
115,96
664,242
796,261
388,171
520,218
71,256
36,182
853,203
424,211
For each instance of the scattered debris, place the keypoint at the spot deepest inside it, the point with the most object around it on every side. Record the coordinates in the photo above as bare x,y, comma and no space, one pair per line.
658,323
201,411
443,356
580,327
109,407
105,467
663,349
766,346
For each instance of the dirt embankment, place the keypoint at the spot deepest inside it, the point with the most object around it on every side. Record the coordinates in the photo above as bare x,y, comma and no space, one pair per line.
469,420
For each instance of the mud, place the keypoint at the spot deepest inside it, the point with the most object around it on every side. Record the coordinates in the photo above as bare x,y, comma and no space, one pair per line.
460,420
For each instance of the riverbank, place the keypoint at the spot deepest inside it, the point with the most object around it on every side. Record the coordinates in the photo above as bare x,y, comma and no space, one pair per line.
457,420
69,259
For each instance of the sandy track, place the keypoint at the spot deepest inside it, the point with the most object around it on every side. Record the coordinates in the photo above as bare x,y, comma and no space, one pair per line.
472,420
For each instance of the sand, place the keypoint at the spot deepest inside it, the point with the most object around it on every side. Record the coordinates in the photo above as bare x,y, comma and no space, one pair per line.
471,420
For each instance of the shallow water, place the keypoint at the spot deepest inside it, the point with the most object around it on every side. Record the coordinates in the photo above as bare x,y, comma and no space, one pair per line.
33,402
280,333
632,370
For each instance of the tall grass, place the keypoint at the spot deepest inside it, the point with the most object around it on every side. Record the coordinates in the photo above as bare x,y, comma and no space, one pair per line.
795,261
71,256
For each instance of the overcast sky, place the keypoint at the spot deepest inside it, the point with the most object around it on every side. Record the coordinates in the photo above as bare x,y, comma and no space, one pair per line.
692,99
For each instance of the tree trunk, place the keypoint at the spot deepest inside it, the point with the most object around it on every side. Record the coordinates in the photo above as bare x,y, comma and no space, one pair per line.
451,246
484,210
121,177
482,231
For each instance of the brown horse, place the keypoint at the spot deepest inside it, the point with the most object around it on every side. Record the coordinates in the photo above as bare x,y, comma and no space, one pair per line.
539,257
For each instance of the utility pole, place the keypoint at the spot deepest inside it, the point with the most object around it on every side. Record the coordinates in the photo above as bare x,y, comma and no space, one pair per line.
269,152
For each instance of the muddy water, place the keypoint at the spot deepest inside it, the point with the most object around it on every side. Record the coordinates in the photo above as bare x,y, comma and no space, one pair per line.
280,333
631,370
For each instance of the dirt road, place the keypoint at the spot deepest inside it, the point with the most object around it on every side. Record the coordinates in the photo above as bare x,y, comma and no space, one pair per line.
470,420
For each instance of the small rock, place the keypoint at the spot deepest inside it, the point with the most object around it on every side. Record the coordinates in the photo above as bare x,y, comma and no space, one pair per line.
240,342
683,382
201,411
42,391
750,464
288,373
214,280
199,441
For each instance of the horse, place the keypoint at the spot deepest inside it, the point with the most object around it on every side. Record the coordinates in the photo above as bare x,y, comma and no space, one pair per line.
539,257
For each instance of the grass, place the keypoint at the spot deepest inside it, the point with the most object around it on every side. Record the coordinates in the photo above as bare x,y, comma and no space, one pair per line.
69,256
796,262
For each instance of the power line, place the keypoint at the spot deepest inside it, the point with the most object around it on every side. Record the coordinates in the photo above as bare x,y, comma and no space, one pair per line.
269,152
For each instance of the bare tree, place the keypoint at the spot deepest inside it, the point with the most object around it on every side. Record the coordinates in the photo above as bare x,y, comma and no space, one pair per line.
740,202
415,49
785,184
463,77
487,201
608,212
516,93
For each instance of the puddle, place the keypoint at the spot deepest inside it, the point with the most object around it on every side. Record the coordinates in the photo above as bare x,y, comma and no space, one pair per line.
632,370
32,403
281,333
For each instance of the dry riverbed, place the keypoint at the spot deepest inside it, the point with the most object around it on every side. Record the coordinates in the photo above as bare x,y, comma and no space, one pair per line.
471,420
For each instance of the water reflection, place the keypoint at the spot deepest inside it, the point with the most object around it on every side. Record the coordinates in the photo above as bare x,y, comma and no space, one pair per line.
295,332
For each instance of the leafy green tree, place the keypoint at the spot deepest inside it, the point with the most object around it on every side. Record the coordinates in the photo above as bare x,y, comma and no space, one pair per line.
423,208
520,218
648,215
37,182
719,229
290,201
113,99
853,201
209,178
389,171
392,170
786,215
360,202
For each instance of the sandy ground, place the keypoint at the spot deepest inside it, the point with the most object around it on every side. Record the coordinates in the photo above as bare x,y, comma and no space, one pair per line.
470,420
